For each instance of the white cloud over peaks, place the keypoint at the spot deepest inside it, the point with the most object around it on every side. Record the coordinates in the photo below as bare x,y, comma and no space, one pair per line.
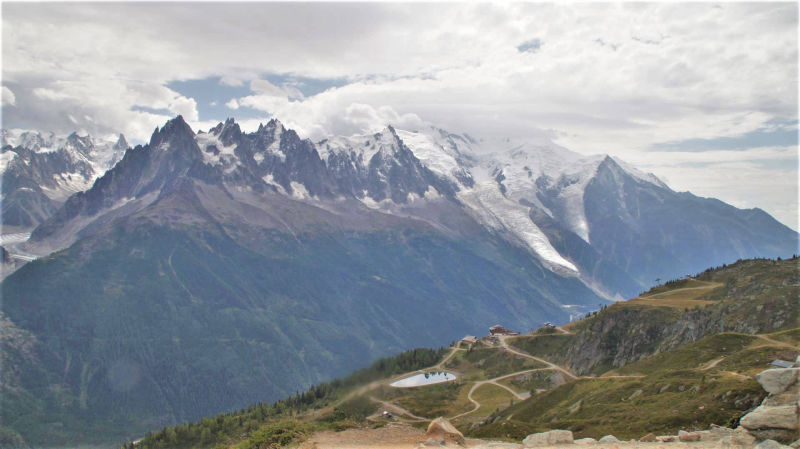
616,76
264,87
599,77
8,97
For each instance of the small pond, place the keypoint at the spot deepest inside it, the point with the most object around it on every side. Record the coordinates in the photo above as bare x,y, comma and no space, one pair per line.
421,379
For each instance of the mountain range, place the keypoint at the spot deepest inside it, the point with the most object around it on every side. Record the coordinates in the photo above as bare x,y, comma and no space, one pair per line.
41,170
209,270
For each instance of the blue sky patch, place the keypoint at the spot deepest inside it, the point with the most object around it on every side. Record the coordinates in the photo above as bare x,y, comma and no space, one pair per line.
531,46
307,86
211,95
782,132
152,110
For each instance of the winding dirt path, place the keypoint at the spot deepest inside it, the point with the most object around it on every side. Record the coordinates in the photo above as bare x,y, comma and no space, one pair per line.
712,364
447,358
772,342
551,365
708,286
396,409
493,381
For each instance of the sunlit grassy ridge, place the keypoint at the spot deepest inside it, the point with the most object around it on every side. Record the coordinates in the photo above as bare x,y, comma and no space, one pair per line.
685,359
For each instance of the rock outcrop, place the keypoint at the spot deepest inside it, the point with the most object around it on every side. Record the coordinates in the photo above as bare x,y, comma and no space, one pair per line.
778,415
548,438
441,428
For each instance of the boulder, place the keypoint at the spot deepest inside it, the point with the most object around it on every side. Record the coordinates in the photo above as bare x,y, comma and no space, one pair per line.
771,417
741,437
608,439
777,380
585,441
770,444
441,428
548,438
716,432
689,437
781,435
649,438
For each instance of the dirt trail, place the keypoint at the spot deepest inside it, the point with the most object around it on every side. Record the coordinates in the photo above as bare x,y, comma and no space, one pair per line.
712,364
551,365
375,384
447,358
708,286
396,409
493,381
772,342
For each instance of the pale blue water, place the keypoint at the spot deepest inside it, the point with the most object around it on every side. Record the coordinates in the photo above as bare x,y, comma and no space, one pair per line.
419,380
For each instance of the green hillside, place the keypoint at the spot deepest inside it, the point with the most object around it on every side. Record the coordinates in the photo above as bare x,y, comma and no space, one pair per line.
148,325
509,387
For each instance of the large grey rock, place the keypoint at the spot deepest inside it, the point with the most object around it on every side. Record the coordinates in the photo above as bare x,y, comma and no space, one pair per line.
688,437
770,444
741,437
441,428
789,396
777,380
781,435
609,439
548,438
766,417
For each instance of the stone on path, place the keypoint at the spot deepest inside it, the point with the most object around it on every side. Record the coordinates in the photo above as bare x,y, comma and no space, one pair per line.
609,439
548,438
649,438
770,444
441,428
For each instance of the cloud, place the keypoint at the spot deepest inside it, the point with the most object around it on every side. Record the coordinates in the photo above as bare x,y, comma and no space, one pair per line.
8,97
627,79
674,64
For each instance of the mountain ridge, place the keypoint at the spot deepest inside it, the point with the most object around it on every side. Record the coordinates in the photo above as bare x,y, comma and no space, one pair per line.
594,195
209,263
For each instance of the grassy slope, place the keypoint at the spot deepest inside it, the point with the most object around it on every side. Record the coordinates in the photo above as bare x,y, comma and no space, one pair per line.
678,391
151,326
686,387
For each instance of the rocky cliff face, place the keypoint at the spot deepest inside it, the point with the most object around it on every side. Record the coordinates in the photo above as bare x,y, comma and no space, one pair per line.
40,171
752,297
778,416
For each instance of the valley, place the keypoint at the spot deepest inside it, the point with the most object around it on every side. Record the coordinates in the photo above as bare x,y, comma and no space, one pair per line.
191,275
507,387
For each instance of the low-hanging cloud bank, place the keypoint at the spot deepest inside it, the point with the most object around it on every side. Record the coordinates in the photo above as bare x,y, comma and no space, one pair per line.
597,78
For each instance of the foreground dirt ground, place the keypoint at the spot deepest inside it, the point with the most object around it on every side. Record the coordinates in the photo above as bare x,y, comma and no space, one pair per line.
404,436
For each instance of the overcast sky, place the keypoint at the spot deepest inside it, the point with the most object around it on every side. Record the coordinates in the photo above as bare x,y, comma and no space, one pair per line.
703,95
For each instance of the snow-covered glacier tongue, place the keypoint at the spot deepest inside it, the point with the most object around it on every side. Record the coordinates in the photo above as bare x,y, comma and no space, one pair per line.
496,211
